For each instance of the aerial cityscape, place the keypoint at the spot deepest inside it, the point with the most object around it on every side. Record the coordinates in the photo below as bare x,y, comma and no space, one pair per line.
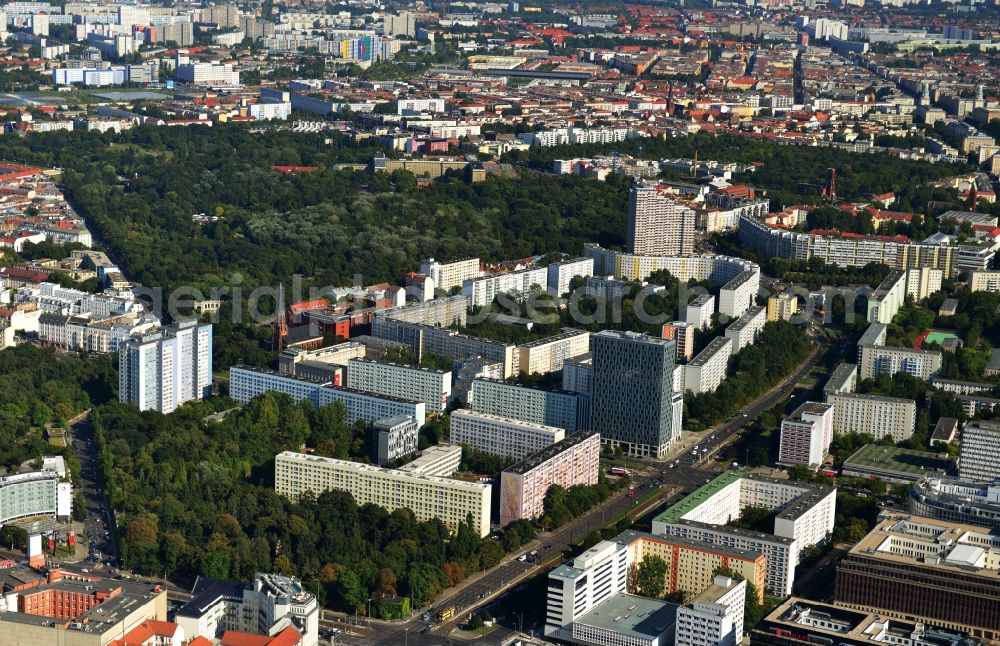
643,323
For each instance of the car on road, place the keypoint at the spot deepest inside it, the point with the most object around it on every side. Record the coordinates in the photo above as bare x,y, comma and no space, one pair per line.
524,557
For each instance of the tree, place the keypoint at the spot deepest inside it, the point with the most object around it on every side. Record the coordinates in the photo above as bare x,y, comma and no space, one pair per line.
349,589
650,577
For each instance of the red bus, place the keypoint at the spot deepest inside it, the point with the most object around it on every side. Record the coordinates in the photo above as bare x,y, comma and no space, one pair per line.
618,471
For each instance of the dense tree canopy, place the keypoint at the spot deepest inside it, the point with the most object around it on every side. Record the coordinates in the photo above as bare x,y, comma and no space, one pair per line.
197,497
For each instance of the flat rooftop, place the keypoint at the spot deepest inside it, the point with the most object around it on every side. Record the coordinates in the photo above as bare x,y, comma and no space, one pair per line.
873,331
841,375
549,452
566,333
746,318
631,535
907,463
741,279
697,497
632,616
713,348
957,545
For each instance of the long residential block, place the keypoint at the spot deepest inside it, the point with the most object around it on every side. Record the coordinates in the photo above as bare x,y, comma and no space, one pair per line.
245,383
501,436
570,411
450,501
726,272
888,360
707,370
880,416
432,387
431,340
482,291
846,250
745,330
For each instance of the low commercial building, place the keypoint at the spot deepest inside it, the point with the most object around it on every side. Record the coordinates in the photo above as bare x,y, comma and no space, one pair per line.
625,619
569,411
979,459
888,360
415,383
895,465
880,416
450,501
699,311
501,436
80,610
707,370
800,621
574,460
245,383
805,517
918,568
806,435
264,606
956,501
745,330
395,438
549,354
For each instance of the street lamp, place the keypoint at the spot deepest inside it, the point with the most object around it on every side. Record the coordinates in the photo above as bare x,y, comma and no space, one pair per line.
520,621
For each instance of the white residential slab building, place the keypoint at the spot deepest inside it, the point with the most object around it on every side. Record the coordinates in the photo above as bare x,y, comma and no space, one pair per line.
450,501
880,416
501,436
416,383
706,371
481,292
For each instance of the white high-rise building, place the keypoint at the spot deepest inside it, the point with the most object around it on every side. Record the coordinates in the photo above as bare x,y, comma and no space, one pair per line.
574,588
448,275
979,460
714,617
657,224
162,370
501,436
806,435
